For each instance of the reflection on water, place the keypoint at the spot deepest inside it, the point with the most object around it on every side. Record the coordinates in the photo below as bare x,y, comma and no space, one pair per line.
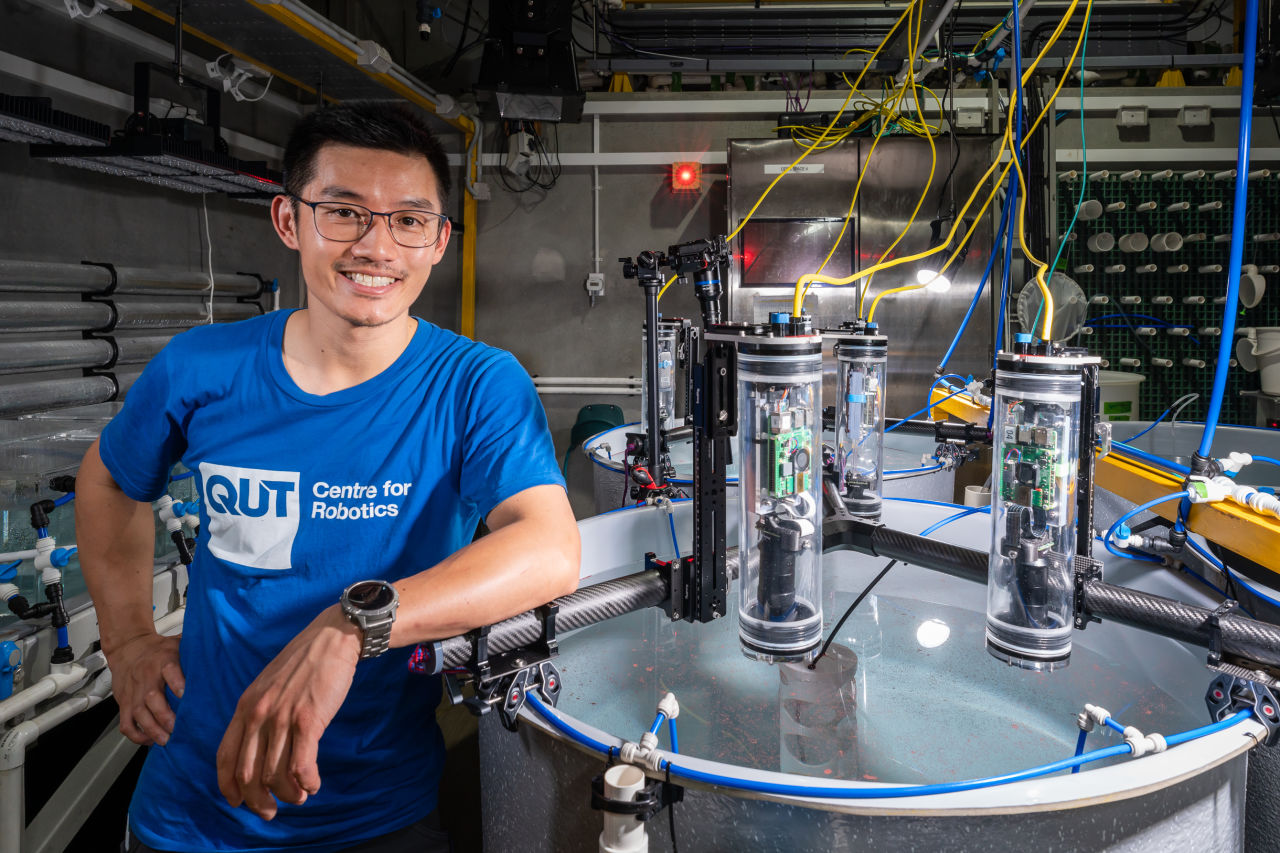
908,693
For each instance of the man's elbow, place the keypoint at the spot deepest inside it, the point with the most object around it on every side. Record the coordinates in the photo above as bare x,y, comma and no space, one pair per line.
568,561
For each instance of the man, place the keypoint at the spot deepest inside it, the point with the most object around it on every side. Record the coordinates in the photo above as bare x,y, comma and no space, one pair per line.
341,443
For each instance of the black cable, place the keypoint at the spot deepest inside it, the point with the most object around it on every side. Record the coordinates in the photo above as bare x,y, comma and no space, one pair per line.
836,630
1151,354
457,53
671,815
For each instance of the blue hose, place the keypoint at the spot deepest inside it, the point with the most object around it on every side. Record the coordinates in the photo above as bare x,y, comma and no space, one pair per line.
1150,458
671,520
675,737
63,639
1080,748
64,499
1257,458
657,723
1227,342
879,793
924,410
1217,564
926,502
986,274
957,516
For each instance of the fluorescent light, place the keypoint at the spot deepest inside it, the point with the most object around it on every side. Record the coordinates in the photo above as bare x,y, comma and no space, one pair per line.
934,282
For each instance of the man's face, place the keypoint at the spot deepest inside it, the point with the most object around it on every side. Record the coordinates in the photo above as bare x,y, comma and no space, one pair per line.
374,280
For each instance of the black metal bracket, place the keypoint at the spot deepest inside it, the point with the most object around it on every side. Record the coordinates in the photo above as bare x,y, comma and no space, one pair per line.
1215,631
648,803
1085,569
1229,693
504,680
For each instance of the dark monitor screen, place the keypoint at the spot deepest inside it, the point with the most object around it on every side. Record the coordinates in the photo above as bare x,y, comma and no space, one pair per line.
776,252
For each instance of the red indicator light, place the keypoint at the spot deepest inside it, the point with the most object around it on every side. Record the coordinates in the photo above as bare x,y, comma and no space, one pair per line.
686,177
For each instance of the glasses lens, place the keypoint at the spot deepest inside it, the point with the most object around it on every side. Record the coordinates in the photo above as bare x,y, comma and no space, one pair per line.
415,228
344,222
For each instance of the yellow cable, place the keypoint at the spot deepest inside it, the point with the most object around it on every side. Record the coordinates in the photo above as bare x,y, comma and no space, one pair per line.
933,166
665,286
835,119
863,171
959,219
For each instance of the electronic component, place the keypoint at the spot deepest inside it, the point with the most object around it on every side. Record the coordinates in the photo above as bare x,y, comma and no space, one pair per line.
861,355
1038,404
779,401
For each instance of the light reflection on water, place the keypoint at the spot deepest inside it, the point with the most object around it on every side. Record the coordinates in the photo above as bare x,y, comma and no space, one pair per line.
908,713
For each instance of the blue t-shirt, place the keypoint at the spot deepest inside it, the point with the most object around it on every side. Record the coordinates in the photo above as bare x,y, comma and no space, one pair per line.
302,495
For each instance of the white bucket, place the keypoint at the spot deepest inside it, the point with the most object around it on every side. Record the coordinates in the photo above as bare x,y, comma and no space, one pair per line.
1259,350
1120,394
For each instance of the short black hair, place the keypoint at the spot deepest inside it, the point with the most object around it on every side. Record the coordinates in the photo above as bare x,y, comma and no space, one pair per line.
378,125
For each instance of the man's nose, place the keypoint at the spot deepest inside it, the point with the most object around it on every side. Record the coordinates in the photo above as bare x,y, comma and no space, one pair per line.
377,242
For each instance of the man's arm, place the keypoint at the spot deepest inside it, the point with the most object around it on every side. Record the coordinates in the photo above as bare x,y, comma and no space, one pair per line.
115,536
530,556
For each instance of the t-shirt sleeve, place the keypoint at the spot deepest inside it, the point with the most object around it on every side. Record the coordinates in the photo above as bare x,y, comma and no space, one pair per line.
141,443
507,446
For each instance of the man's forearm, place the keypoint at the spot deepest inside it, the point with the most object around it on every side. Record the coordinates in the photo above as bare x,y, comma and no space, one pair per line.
520,565
116,539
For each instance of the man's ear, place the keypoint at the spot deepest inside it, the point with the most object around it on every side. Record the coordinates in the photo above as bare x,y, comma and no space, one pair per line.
443,243
284,216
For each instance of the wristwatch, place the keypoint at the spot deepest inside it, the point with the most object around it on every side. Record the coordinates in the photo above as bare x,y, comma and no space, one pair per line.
371,606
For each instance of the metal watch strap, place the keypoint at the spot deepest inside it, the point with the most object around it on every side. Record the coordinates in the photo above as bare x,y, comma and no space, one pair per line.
377,636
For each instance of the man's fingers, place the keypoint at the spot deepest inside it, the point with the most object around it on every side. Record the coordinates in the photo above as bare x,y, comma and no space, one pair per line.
275,769
249,772
145,724
129,728
306,744
158,705
174,678
228,755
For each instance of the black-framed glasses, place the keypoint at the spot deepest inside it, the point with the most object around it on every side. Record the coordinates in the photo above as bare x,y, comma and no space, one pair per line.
344,222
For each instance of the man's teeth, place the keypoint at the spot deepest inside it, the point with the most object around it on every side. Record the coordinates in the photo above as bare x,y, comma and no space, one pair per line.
370,280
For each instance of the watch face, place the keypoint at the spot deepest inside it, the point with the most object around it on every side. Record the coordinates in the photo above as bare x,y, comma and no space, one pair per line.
370,595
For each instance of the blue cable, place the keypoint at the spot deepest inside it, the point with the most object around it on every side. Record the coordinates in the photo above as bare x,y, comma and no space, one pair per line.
949,519
886,792
1080,748
657,723
977,295
1134,555
1227,342
926,502
675,738
1150,458
63,639
64,499
922,470
924,410
1154,424
1257,458
1217,564
1113,725
671,520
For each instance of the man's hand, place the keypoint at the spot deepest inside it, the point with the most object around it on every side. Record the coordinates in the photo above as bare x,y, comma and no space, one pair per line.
140,669
271,743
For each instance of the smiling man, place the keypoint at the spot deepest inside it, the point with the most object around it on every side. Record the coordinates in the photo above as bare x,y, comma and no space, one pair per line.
345,454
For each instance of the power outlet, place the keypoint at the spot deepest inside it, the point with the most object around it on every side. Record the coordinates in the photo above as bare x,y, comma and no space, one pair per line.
594,286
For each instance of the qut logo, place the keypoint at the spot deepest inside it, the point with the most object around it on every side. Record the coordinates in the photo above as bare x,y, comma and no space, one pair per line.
253,514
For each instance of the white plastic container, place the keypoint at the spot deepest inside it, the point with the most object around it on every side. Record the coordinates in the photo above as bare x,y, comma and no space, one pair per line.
1120,395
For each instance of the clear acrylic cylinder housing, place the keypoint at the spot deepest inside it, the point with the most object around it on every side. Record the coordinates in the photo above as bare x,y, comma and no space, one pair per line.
668,341
859,409
1033,509
780,477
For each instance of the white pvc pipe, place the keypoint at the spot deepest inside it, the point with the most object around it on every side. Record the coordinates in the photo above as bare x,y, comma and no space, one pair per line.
13,756
26,555
623,833
70,678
